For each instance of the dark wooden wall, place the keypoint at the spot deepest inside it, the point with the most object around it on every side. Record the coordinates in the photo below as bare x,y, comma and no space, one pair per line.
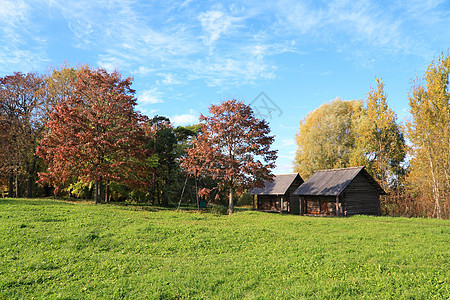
269,202
293,200
361,198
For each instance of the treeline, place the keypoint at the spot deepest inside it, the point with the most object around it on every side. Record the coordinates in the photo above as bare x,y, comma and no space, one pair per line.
75,132
411,161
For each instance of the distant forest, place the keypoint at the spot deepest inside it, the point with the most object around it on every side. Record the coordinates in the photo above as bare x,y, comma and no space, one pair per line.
75,132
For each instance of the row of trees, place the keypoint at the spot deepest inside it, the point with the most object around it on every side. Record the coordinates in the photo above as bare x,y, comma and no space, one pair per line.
77,131
352,133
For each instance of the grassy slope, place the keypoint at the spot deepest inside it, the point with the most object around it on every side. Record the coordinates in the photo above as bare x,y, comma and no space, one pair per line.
51,249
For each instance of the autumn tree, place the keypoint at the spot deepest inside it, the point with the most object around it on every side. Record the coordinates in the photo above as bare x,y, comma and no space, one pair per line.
381,139
429,133
327,137
58,87
233,148
95,135
21,126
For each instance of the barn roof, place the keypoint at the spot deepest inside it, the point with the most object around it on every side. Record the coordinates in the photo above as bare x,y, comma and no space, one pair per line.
278,186
333,182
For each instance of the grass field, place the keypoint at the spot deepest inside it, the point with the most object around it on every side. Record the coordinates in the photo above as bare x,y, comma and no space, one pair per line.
51,249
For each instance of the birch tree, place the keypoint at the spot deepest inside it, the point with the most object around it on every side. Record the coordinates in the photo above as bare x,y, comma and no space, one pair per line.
429,133
381,140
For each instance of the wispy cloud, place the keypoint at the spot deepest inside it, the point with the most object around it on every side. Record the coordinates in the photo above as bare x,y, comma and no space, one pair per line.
151,96
20,47
222,44
169,79
364,27
215,23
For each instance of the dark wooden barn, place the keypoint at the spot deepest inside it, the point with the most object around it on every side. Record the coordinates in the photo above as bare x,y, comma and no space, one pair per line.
276,196
339,192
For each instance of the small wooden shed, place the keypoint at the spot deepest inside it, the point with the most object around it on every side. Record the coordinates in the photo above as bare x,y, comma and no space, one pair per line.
339,192
276,196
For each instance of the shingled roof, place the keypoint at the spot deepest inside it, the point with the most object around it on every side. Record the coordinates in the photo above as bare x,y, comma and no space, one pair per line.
278,186
333,182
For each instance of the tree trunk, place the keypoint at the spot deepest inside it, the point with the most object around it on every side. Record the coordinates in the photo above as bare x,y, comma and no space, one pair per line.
17,185
30,171
96,192
182,192
11,186
231,203
106,192
196,194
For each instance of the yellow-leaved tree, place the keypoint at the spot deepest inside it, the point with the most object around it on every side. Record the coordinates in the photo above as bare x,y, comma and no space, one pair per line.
381,139
326,137
381,144
429,133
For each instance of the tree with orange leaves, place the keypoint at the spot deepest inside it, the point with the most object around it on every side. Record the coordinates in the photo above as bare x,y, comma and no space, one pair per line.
96,135
233,148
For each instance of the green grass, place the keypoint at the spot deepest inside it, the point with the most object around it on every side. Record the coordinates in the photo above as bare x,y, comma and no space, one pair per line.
51,249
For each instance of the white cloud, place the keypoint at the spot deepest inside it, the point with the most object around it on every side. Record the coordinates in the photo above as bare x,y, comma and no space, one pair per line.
148,112
215,23
283,168
287,142
13,12
21,47
151,96
361,26
169,78
184,119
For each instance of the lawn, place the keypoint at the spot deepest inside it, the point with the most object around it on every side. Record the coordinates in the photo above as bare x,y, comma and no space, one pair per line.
51,249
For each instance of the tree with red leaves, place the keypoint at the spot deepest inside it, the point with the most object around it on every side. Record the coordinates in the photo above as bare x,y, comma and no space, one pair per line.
95,135
233,149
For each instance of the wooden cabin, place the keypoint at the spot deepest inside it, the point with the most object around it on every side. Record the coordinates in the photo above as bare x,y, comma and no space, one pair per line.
276,195
339,192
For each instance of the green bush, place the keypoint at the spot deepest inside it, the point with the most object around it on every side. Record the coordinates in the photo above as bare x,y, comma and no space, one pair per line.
244,199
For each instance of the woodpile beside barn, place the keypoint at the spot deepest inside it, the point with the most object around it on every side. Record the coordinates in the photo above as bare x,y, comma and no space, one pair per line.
336,192
276,195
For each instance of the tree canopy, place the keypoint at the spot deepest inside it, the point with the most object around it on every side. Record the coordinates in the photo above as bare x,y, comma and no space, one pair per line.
429,133
327,136
233,148
95,134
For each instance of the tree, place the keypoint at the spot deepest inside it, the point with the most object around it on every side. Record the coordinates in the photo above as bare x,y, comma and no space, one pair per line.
21,126
381,139
429,133
327,136
163,145
233,148
58,87
380,144
95,135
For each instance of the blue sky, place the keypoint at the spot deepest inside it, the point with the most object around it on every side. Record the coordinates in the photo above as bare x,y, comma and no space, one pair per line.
186,55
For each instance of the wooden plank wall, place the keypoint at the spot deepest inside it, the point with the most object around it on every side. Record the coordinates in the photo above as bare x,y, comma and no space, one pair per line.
360,197
294,204
269,202
293,201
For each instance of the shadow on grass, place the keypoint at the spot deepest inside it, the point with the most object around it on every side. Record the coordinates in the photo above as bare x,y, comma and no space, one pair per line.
25,201
210,208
